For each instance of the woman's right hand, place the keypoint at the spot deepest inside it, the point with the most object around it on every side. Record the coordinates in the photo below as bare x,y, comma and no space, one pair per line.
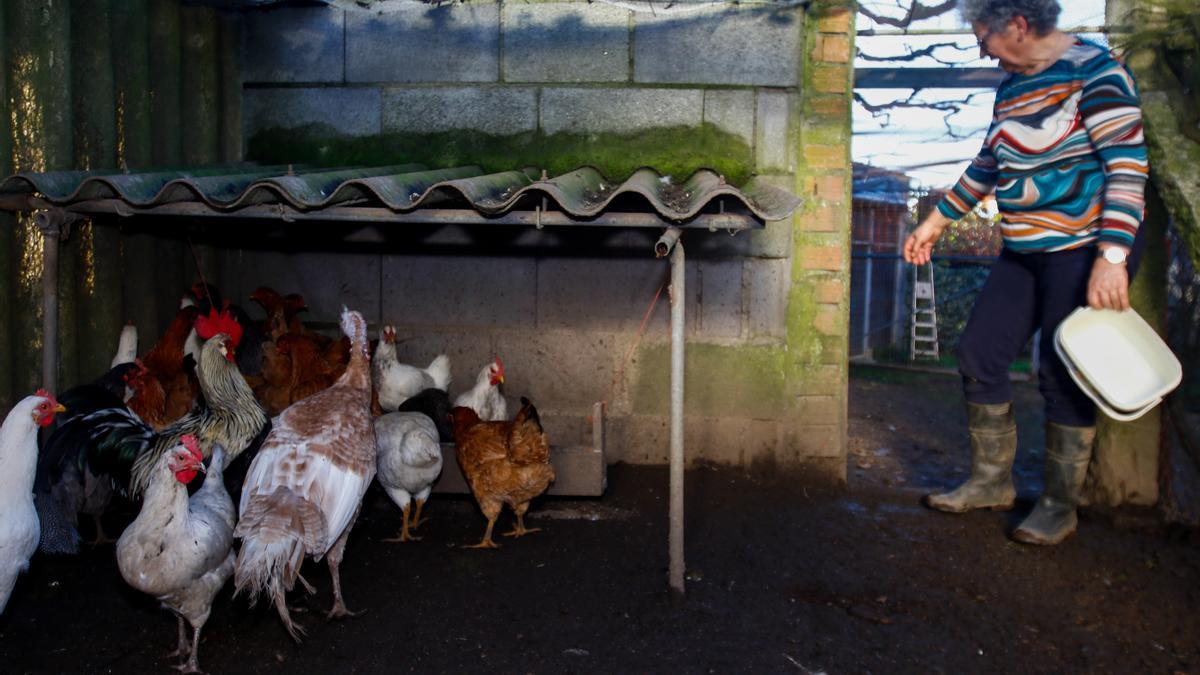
918,247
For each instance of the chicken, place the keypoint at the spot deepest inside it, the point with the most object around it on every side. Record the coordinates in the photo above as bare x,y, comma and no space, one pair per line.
394,381
436,404
409,460
485,397
19,526
127,345
73,487
180,549
114,441
167,393
303,491
504,463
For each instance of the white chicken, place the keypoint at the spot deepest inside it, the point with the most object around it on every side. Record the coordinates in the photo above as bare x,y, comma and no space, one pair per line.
19,525
305,486
180,549
408,461
397,382
485,397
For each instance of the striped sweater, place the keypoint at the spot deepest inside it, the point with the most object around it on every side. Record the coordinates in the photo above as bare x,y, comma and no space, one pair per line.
1065,155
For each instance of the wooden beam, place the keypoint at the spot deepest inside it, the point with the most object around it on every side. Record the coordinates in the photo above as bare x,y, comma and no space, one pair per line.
927,78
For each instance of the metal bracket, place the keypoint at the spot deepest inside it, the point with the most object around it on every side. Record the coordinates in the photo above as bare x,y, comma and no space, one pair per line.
54,221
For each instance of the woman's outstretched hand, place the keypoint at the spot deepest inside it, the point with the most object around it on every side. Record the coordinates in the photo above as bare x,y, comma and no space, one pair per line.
918,247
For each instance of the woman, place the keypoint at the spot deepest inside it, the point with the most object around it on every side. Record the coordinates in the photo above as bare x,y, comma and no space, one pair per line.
1066,158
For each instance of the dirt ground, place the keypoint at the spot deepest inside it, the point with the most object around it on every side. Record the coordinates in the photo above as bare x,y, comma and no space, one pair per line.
783,577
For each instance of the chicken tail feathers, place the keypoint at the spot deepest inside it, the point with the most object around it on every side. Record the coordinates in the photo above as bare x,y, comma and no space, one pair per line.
276,530
439,370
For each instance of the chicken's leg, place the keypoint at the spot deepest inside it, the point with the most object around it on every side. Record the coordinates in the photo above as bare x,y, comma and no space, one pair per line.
416,521
193,662
492,512
181,650
334,559
519,530
404,534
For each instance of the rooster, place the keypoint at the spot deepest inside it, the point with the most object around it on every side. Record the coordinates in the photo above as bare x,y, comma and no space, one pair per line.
485,397
114,441
180,549
409,459
19,526
395,382
304,489
71,487
504,463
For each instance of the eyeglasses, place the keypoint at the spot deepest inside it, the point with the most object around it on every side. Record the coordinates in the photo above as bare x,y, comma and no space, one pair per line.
982,41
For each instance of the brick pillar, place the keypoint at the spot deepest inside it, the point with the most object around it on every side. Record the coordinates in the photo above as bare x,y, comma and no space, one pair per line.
818,301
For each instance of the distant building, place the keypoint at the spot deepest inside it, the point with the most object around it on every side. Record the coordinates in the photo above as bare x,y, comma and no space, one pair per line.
878,317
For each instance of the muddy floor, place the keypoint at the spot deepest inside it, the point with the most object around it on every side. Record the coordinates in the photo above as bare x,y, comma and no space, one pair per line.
783,577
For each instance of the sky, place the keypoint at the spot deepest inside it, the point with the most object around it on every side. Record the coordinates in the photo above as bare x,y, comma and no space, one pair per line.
916,141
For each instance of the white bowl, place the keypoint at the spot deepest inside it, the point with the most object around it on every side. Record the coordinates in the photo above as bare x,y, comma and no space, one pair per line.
1118,360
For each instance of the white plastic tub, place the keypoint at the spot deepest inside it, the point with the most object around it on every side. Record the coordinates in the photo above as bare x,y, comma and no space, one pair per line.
1118,360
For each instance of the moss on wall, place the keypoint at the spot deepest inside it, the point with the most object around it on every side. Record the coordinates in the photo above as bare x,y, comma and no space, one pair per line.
721,381
678,151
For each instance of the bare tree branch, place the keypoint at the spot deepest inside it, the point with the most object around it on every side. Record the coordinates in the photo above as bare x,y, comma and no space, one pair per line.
883,111
916,12
914,54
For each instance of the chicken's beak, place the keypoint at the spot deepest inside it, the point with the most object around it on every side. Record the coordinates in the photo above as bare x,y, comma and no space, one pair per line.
501,379
60,409
201,468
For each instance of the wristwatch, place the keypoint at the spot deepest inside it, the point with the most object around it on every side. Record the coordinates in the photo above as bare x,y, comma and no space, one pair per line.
1114,254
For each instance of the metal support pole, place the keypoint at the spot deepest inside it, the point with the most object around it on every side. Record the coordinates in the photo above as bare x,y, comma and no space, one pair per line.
678,298
54,224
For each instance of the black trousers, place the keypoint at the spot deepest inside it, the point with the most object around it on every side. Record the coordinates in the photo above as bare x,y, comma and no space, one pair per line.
1025,292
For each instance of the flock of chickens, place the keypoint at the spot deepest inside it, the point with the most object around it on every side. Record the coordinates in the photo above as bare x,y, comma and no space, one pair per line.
320,419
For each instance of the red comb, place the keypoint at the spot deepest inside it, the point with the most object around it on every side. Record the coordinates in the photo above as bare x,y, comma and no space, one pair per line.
500,364
214,323
193,445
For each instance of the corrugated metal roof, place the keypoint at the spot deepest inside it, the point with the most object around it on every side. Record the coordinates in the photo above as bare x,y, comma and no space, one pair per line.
582,193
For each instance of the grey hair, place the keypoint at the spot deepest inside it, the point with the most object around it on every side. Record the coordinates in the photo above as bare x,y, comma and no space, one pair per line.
1042,15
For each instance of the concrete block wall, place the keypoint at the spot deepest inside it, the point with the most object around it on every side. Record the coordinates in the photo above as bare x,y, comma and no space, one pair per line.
763,307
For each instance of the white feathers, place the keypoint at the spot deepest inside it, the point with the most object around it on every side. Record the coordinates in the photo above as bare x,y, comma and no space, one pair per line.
127,346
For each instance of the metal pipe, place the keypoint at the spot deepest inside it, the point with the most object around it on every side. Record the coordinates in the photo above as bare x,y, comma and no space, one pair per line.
678,298
664,244
51,223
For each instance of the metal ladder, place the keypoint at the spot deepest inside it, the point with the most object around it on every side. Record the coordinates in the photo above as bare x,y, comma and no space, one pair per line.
924,315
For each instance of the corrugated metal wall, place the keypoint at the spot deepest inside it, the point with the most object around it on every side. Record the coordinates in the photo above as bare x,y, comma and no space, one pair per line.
104,83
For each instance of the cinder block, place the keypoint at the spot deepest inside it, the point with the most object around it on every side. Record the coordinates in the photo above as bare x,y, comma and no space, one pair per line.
719,45
819,441
767,282
571,42
327,283
720,298
728,440
561,371
494,110
460,291
345,111
775,147
818,409
638,439
731,110
619,110
578,472
424,43
593,294
293,44
824,380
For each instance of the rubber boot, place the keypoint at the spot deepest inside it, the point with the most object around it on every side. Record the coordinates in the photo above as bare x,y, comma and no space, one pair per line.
993,446
1053,519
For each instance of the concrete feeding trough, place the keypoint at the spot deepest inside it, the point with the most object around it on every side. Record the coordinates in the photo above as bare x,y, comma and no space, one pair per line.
580,470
